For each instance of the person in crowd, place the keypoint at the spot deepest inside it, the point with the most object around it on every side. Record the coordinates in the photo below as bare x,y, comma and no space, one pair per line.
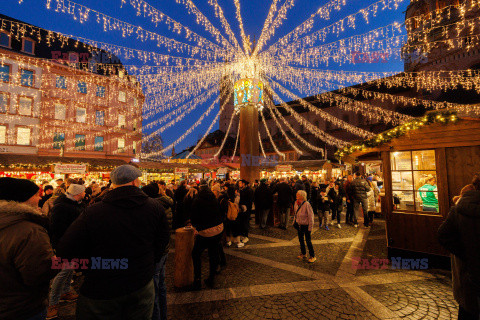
162,185
306,185
66,209
284,201
371,205
179,219
336,204
58,182
216,188
47,194
428,194
246,202
207,220
460,235
25,252
128,228
298,184
263,202
47,206
360,188
304,218
313,198
227,196
349,196
188,202
323,208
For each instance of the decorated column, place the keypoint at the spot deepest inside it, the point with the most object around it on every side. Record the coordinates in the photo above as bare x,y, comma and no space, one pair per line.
248,100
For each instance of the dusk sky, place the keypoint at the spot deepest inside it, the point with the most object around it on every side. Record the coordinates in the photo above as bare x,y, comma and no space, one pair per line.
253,14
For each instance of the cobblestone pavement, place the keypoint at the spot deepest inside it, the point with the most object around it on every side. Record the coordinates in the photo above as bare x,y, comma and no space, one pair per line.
265,280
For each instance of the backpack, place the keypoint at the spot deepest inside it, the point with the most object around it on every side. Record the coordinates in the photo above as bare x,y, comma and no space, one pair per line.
232,211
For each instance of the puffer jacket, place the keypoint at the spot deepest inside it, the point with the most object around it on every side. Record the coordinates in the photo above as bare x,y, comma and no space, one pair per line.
371,200
304,216
360,188
460,234
25,261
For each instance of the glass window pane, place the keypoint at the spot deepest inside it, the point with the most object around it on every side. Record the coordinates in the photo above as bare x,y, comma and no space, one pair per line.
122,96
402,180
25,106
80,141
5,73
100,91
3,102
424,160
98,144
121,144
59,112
81,115
28,46
26,78
121,120
61,82
403,200
424,178
99,118
431,201
4,39
23,136
401,160
3,134
58,140
426,195
82,87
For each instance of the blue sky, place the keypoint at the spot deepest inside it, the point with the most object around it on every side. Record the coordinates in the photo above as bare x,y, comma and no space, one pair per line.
254,13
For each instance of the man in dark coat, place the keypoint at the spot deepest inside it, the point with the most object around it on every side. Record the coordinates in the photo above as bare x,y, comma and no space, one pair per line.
123,237
298,185
207,220
245,204
350,196
179,217
307,186
360,188
47,194
460,234
25,251
284,201
263,202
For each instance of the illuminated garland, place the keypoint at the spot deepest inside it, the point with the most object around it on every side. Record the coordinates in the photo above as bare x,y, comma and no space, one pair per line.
225,138
281,154
261,145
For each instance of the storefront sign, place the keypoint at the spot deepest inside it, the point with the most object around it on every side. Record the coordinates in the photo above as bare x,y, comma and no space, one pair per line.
66,168
222,171
284,168
181,170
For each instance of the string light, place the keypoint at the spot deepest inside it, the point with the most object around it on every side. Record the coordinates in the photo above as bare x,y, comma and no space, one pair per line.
216,155
261,145
281,154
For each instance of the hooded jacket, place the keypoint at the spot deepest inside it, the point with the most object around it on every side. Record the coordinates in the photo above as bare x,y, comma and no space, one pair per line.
126,226
460,234
25,261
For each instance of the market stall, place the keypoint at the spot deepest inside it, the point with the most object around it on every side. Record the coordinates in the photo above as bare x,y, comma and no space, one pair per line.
316,170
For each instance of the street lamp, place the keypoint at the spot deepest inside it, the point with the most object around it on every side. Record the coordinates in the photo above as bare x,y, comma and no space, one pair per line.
248,91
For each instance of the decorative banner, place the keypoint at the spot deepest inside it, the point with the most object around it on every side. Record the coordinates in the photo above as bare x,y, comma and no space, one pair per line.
66,168
181,171
284,168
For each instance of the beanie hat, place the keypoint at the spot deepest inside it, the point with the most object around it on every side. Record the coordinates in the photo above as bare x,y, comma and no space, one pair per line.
151,190
75,189
19,190
124,174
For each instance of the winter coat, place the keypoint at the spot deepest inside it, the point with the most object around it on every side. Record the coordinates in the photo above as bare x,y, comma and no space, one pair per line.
349,191
167,204
307,189
371,200
314,192
263,197
336,197
25,261
304,216
360,188
47,206
298,186
180,216
44,199
246,199
285,195
62,215
126,224
205,210
460,234
324,202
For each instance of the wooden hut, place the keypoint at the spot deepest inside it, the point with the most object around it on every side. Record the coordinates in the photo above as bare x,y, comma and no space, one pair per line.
426,162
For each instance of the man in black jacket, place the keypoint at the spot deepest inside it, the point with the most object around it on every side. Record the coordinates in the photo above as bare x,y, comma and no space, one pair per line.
245,204
360,188
123,236
263,202
179,216
284,201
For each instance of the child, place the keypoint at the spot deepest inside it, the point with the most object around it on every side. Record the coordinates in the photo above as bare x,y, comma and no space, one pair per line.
323,208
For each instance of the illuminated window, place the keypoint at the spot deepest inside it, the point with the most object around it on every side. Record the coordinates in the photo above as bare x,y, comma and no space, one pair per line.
3,134
101,91
5,73
121,145
80,142
100,118
414,182
122,97
26,78
61,82
81,115
60,112
82,87
4,39
25,106
58,140
28,46
23,136
121,120
98,144
134,147
3,102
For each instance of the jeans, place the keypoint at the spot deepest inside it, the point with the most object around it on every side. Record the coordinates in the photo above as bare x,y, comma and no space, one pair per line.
39,316
244,223
323,218
363,203
202,243
336,213
350,212
284,214
263,217
160,304
303,230
137,305
60,285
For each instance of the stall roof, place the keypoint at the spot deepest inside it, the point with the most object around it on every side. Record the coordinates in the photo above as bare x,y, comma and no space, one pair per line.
303,164
9,161
184,154
170,167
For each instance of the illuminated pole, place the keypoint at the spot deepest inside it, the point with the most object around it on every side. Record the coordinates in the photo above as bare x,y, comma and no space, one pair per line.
248,100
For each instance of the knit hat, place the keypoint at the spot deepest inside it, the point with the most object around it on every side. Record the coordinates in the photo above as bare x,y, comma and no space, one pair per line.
151,190
124,174
19,190
75,189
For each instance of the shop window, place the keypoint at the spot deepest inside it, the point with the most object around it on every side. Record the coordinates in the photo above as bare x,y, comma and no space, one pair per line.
81,115
134,147
3,134
100,118
5,40
122,97
121,145
135,125
80,142
82,87
3,102
61,82
101,91
98,144
58,140
26,78
414,181
25,106
23,136
121,121
28,46
60,112
5,73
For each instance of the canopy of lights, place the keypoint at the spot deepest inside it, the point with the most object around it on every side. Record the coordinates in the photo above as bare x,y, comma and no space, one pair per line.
195,73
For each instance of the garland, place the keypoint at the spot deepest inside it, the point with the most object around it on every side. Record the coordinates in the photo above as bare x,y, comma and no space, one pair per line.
443,117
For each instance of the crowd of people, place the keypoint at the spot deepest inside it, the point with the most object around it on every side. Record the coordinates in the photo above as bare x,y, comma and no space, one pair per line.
117,235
